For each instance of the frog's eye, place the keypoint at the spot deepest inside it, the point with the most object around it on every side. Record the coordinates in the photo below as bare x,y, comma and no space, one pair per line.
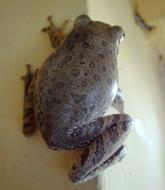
82,20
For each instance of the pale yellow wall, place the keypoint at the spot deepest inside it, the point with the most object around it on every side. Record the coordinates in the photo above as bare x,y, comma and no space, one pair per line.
157,36
150,9
139,77
26,163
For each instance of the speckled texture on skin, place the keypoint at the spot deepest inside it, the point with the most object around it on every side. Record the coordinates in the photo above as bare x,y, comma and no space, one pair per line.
78,83
116,157
102,150
74,88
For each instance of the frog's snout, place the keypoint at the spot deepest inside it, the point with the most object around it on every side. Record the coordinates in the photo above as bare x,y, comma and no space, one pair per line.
122,36
118,32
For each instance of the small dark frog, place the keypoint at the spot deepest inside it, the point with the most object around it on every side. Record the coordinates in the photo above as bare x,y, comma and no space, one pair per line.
68,96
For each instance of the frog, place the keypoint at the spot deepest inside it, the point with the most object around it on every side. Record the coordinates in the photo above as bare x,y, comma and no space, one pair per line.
67,98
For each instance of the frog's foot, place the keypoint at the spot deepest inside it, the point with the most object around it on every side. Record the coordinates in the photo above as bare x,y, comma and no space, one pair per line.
115,158
56,35
118,102
105,150
28,117
51,24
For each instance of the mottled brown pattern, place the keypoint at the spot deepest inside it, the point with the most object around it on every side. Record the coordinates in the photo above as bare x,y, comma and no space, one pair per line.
104,43
104,150
84,83
97,78
28,118
75,72
84,156
91,65
74,88
117,157
64,61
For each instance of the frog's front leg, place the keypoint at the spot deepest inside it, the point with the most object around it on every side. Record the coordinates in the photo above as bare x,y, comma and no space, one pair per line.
28,117
56,35
105,150
118,102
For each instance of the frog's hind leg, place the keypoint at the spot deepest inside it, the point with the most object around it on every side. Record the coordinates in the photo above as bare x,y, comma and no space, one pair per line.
105,150
115,158
56,35
28,114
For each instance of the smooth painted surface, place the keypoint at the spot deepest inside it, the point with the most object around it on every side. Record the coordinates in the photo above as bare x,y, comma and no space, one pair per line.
139,78
26,163
157,36
150,9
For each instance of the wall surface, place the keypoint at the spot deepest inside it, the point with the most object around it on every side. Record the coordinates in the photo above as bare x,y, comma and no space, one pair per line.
27,163
157,36
150,9
139,78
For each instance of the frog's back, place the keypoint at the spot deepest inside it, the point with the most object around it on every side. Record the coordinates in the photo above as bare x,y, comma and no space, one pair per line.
78,82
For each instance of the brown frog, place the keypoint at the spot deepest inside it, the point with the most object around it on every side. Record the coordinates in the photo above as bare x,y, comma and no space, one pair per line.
68,96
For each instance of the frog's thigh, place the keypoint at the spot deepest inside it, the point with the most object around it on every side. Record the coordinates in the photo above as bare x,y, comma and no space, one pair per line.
118,102
115,158
28,118
102,148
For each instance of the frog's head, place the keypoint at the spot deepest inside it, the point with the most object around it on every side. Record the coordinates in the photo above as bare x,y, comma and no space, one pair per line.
116,34
112,34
